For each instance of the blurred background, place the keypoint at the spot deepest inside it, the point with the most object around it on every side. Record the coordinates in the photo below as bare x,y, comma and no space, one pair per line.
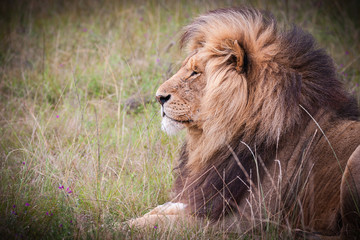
81,148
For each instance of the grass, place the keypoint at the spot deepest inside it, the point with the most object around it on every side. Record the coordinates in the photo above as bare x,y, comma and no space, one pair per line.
74,160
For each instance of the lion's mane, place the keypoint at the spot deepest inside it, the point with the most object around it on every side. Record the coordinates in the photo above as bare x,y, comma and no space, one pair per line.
250,108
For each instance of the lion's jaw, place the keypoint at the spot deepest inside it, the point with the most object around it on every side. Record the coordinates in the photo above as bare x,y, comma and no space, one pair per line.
168,125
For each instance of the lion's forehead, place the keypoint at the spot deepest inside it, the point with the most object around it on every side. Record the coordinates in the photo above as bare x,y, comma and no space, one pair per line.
181,82
195,61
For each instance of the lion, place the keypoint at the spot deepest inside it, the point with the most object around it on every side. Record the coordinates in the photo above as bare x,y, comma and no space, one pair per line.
271,133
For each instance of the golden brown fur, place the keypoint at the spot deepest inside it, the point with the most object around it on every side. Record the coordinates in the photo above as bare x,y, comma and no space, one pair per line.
270,129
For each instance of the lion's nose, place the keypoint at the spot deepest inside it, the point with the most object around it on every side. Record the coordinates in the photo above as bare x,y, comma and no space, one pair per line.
163,99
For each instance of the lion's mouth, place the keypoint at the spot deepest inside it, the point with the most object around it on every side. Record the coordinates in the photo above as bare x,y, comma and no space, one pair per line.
163,114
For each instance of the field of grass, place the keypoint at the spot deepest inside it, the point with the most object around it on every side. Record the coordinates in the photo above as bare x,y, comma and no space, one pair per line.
80,142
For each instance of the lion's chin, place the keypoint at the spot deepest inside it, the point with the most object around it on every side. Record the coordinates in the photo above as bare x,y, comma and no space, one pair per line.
171,127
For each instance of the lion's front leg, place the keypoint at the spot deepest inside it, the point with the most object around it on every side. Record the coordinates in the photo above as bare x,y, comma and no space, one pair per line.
163,215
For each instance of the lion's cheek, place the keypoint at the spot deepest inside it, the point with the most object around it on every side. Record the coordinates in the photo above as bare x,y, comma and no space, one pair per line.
170,127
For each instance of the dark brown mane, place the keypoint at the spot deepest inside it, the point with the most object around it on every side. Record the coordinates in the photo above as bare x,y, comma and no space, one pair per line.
224,182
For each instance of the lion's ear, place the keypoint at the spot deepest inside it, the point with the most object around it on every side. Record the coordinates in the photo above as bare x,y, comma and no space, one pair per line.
239,55
236,53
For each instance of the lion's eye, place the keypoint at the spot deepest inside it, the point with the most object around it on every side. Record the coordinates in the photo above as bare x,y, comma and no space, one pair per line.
193,74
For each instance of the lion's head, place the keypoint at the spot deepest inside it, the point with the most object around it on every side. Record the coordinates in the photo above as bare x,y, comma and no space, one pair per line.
244,78
180,96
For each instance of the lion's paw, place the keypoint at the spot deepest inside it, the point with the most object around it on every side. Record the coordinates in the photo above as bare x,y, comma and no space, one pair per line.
163,215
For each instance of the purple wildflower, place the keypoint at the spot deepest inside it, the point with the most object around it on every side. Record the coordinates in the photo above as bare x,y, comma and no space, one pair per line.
155,227
70,221
141,19
68,190
27,204
23,163
84,29
347,53
158,60
57,116
61,187
61,65
14,206
61,225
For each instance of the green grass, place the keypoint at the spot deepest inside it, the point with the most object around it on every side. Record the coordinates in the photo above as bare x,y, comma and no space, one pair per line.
67,70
